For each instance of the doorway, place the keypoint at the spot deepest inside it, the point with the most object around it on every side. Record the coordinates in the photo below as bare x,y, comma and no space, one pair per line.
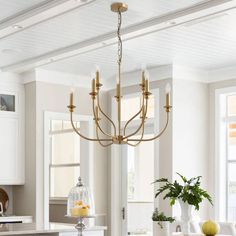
138,190
133,169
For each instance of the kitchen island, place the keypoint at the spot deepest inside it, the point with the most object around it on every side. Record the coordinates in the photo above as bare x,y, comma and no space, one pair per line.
55,229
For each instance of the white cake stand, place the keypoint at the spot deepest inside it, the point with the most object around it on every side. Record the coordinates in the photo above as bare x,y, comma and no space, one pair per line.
80,226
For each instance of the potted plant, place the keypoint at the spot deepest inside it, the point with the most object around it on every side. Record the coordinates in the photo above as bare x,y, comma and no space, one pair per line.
162,221
189,194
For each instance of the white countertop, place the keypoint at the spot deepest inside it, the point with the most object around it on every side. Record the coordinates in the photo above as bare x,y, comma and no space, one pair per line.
194,234
24,229
23,219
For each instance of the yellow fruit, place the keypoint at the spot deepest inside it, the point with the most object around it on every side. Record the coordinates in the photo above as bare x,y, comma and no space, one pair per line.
79,212
79,203
210,228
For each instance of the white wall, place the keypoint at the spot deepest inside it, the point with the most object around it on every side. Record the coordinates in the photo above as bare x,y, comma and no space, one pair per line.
191,134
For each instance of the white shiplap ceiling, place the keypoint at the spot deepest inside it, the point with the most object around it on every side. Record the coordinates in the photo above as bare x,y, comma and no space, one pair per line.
207,44
9,8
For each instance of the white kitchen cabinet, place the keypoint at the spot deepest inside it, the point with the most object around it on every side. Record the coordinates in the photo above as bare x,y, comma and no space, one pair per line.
12,136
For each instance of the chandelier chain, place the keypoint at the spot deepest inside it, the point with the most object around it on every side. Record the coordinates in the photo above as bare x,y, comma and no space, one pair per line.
119,38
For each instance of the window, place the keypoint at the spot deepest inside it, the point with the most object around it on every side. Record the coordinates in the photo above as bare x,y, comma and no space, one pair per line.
131,105
231,157
141,172
65,158
227,160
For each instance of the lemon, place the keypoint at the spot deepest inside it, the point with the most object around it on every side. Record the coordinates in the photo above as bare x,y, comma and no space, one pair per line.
210,228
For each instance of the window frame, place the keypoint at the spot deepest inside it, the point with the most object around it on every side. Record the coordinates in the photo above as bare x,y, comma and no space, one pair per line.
86,160
222,120
228,121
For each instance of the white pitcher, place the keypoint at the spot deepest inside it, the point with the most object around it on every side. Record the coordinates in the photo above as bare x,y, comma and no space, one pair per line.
163,230
186,216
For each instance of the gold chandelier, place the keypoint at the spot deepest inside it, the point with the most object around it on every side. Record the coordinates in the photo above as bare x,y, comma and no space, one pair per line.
119,134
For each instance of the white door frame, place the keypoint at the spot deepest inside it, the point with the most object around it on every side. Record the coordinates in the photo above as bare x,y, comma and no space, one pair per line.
86,154
220,173
116,196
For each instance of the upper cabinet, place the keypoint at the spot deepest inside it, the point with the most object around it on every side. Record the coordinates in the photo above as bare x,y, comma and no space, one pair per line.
12,139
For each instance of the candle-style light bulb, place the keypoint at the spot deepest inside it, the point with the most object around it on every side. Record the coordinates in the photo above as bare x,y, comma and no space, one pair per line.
143,74
168,89
143,67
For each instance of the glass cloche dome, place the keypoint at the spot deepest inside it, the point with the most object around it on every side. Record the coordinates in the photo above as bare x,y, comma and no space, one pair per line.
80,201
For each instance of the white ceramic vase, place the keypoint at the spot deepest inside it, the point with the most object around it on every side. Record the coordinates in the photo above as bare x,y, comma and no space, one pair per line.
186,216
162,231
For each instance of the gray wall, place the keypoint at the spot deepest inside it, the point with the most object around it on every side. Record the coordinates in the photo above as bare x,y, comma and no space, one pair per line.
25,196
42,97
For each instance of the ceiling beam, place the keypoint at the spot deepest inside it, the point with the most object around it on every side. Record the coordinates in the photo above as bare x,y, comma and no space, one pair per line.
150,26
36,14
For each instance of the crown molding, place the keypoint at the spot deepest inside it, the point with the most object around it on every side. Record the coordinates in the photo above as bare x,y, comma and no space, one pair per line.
204,76
11,80
56,77
144,28
176,72
222,74
181,72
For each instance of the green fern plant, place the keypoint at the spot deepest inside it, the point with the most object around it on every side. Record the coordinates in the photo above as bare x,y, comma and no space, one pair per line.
189,192
159,217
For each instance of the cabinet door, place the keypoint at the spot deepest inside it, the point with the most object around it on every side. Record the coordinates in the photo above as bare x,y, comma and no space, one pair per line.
9,138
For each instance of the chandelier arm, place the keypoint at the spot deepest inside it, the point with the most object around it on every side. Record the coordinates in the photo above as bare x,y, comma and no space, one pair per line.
127,123
81,135
97,122
105,115
155,137
142,122
136,144
100,142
